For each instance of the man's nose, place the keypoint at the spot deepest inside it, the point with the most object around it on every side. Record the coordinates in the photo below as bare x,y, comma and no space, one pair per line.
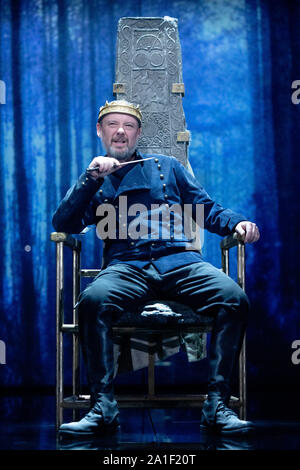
120,130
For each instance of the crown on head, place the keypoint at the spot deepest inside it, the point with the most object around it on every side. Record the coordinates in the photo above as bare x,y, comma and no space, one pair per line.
120,106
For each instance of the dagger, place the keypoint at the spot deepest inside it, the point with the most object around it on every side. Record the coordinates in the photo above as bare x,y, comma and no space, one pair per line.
96,168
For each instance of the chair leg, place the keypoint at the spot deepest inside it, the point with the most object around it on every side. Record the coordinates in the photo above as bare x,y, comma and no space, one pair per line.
59,380
59,334
242,381
76,355
75,374
151,374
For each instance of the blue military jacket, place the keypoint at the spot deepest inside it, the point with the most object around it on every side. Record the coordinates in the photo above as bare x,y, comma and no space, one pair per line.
131,209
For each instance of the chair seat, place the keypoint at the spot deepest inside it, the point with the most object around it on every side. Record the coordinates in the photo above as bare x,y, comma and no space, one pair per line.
162,313
159,330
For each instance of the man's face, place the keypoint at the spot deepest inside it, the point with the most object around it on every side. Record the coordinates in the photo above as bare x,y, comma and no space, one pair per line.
119,134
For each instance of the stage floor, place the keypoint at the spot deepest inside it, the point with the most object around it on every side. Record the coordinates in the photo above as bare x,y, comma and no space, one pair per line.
28,424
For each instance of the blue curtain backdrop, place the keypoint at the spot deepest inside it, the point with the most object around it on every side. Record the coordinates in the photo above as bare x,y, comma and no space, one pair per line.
240,57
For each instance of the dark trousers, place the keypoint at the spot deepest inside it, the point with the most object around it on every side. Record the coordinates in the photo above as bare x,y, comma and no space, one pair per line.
123,287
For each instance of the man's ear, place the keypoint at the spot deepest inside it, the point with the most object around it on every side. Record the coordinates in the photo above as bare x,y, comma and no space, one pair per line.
99,130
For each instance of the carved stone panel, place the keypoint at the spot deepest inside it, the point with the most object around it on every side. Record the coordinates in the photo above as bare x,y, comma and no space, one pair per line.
149,73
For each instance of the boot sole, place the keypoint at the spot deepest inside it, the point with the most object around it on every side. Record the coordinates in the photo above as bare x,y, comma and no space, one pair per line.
103,431
227,432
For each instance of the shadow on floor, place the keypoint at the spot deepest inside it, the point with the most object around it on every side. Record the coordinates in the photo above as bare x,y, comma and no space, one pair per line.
155,429
27,423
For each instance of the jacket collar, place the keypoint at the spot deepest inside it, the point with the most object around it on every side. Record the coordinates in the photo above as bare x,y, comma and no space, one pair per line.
136,178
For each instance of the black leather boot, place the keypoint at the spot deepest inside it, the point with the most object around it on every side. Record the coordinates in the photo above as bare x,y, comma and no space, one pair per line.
93,423
225,420
226,341
97,347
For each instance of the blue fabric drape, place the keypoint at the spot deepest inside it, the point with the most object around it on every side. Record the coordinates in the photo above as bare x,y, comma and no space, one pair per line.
239,60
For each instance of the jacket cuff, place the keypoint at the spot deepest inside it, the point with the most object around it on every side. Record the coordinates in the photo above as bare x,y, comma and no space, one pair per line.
235,222
84,189
87,183
88,179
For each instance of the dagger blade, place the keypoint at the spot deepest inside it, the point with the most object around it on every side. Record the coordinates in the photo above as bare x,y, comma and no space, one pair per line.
96,168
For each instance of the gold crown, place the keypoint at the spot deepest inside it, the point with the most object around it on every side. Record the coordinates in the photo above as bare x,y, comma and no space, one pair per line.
120,106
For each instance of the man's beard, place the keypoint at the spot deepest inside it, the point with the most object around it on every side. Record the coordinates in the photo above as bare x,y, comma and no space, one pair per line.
121,155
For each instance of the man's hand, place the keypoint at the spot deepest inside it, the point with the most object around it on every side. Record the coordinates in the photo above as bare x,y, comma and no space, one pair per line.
247,231
103,166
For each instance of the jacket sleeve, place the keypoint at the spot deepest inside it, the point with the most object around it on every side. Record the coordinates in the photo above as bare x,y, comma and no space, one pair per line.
78,207
217,219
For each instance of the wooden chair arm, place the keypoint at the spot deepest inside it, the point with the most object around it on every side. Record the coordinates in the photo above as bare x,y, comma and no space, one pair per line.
230,241
66,239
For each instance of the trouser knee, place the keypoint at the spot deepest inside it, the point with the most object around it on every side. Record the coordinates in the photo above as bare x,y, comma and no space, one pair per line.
236,300
94,307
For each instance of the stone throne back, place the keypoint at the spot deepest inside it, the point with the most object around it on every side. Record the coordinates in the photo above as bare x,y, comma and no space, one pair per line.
149,73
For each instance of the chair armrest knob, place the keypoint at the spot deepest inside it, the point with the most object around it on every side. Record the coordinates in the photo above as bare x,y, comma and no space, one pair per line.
230,241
